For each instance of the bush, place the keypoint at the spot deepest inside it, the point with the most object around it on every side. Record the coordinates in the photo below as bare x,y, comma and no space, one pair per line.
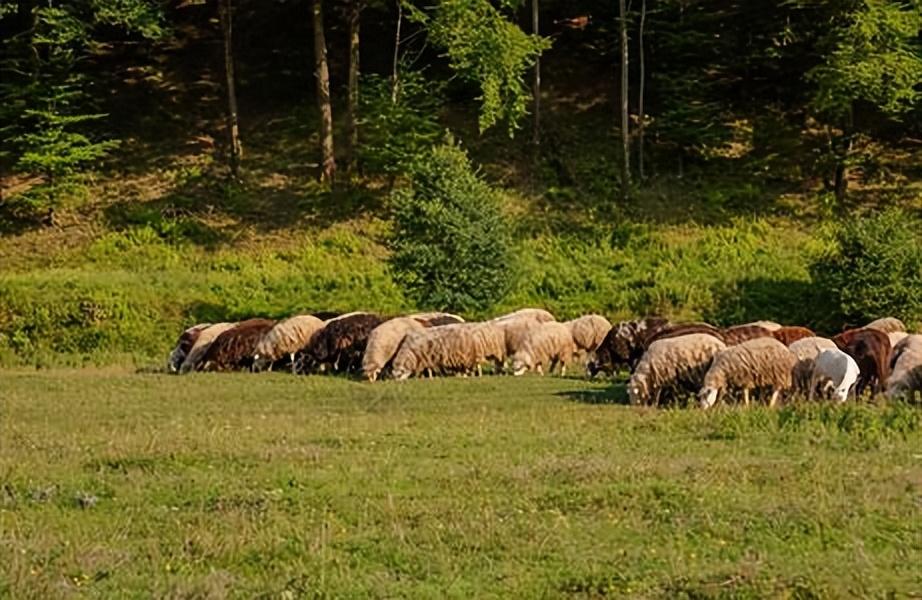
451,245
874,268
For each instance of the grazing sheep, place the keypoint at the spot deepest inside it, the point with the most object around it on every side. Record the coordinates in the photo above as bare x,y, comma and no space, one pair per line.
285,339
434,319
836,371
679,329
673,365
183,345
806,350
536,314
589,331
193,360
624,344
234,348
770,325
383,342
906,377
871,350
546,346
458,348
341,342
789,335
326,315
738,334
516,330
887,325
761,363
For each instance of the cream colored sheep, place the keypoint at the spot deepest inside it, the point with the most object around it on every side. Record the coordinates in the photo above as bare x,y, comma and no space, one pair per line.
588,331
896,337
515,331
887,325
285,338
538,314
459,348
757,364
434,319
906,377
672,365
546,346
806,350
770,325
202,343
383,343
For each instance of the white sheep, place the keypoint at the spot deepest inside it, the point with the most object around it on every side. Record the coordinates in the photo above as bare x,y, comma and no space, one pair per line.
806,350
460,348
434,319
285,338
673,364
757,364
202,343
770,325
836,371
383,342
538,314
906,376
887,325
546,346
588,331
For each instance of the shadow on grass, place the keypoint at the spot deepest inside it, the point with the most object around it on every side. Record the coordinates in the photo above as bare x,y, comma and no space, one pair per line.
613,393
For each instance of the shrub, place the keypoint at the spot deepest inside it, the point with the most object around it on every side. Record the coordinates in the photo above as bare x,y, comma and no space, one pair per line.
874,268
451,245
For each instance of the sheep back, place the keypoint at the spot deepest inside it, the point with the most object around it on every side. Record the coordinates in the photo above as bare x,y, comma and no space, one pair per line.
738,334
589,331
234,348
886,325
789,335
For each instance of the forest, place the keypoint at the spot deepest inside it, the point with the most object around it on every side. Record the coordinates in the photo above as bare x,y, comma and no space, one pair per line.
173,162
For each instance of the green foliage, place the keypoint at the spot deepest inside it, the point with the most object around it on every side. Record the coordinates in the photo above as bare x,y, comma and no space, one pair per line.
394,134
874,268
486,48
875,57
451,244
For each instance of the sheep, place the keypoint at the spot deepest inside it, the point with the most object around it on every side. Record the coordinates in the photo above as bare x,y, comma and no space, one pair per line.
285,339
806,351
895,338
460,348
761,363
871,350
537,314
789,335
770,325
738,334
835,370
624,344
341,342
679,329
183,345
672,365
206,337
234,348
906,376
515,331
589,331
887,325
545,346
434,319
383,342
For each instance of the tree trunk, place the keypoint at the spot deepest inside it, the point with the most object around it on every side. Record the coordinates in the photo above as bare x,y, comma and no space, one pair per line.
536,134
640,91
395,75
322,73
625,132
355,11
225,12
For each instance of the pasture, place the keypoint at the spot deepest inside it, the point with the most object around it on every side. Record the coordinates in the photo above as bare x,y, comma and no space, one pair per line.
118,484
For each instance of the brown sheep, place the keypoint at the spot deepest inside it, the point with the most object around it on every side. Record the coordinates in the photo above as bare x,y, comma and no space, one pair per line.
871,350
789,335
738,334
341,343
234,348
624,344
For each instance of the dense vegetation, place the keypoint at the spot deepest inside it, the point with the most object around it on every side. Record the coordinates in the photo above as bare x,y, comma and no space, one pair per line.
119,484
147,185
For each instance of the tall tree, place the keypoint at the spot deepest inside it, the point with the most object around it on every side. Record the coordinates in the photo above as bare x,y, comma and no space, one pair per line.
395,75
352,109
225,10
322,73
536,134
625,131
640,91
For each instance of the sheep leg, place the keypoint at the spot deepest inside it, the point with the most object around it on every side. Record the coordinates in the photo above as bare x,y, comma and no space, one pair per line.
746,397
773,401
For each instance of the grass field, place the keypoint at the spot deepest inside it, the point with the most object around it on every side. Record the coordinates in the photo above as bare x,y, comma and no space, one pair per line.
116,484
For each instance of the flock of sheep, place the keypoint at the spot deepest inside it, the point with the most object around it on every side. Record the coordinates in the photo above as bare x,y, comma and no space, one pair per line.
667,361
